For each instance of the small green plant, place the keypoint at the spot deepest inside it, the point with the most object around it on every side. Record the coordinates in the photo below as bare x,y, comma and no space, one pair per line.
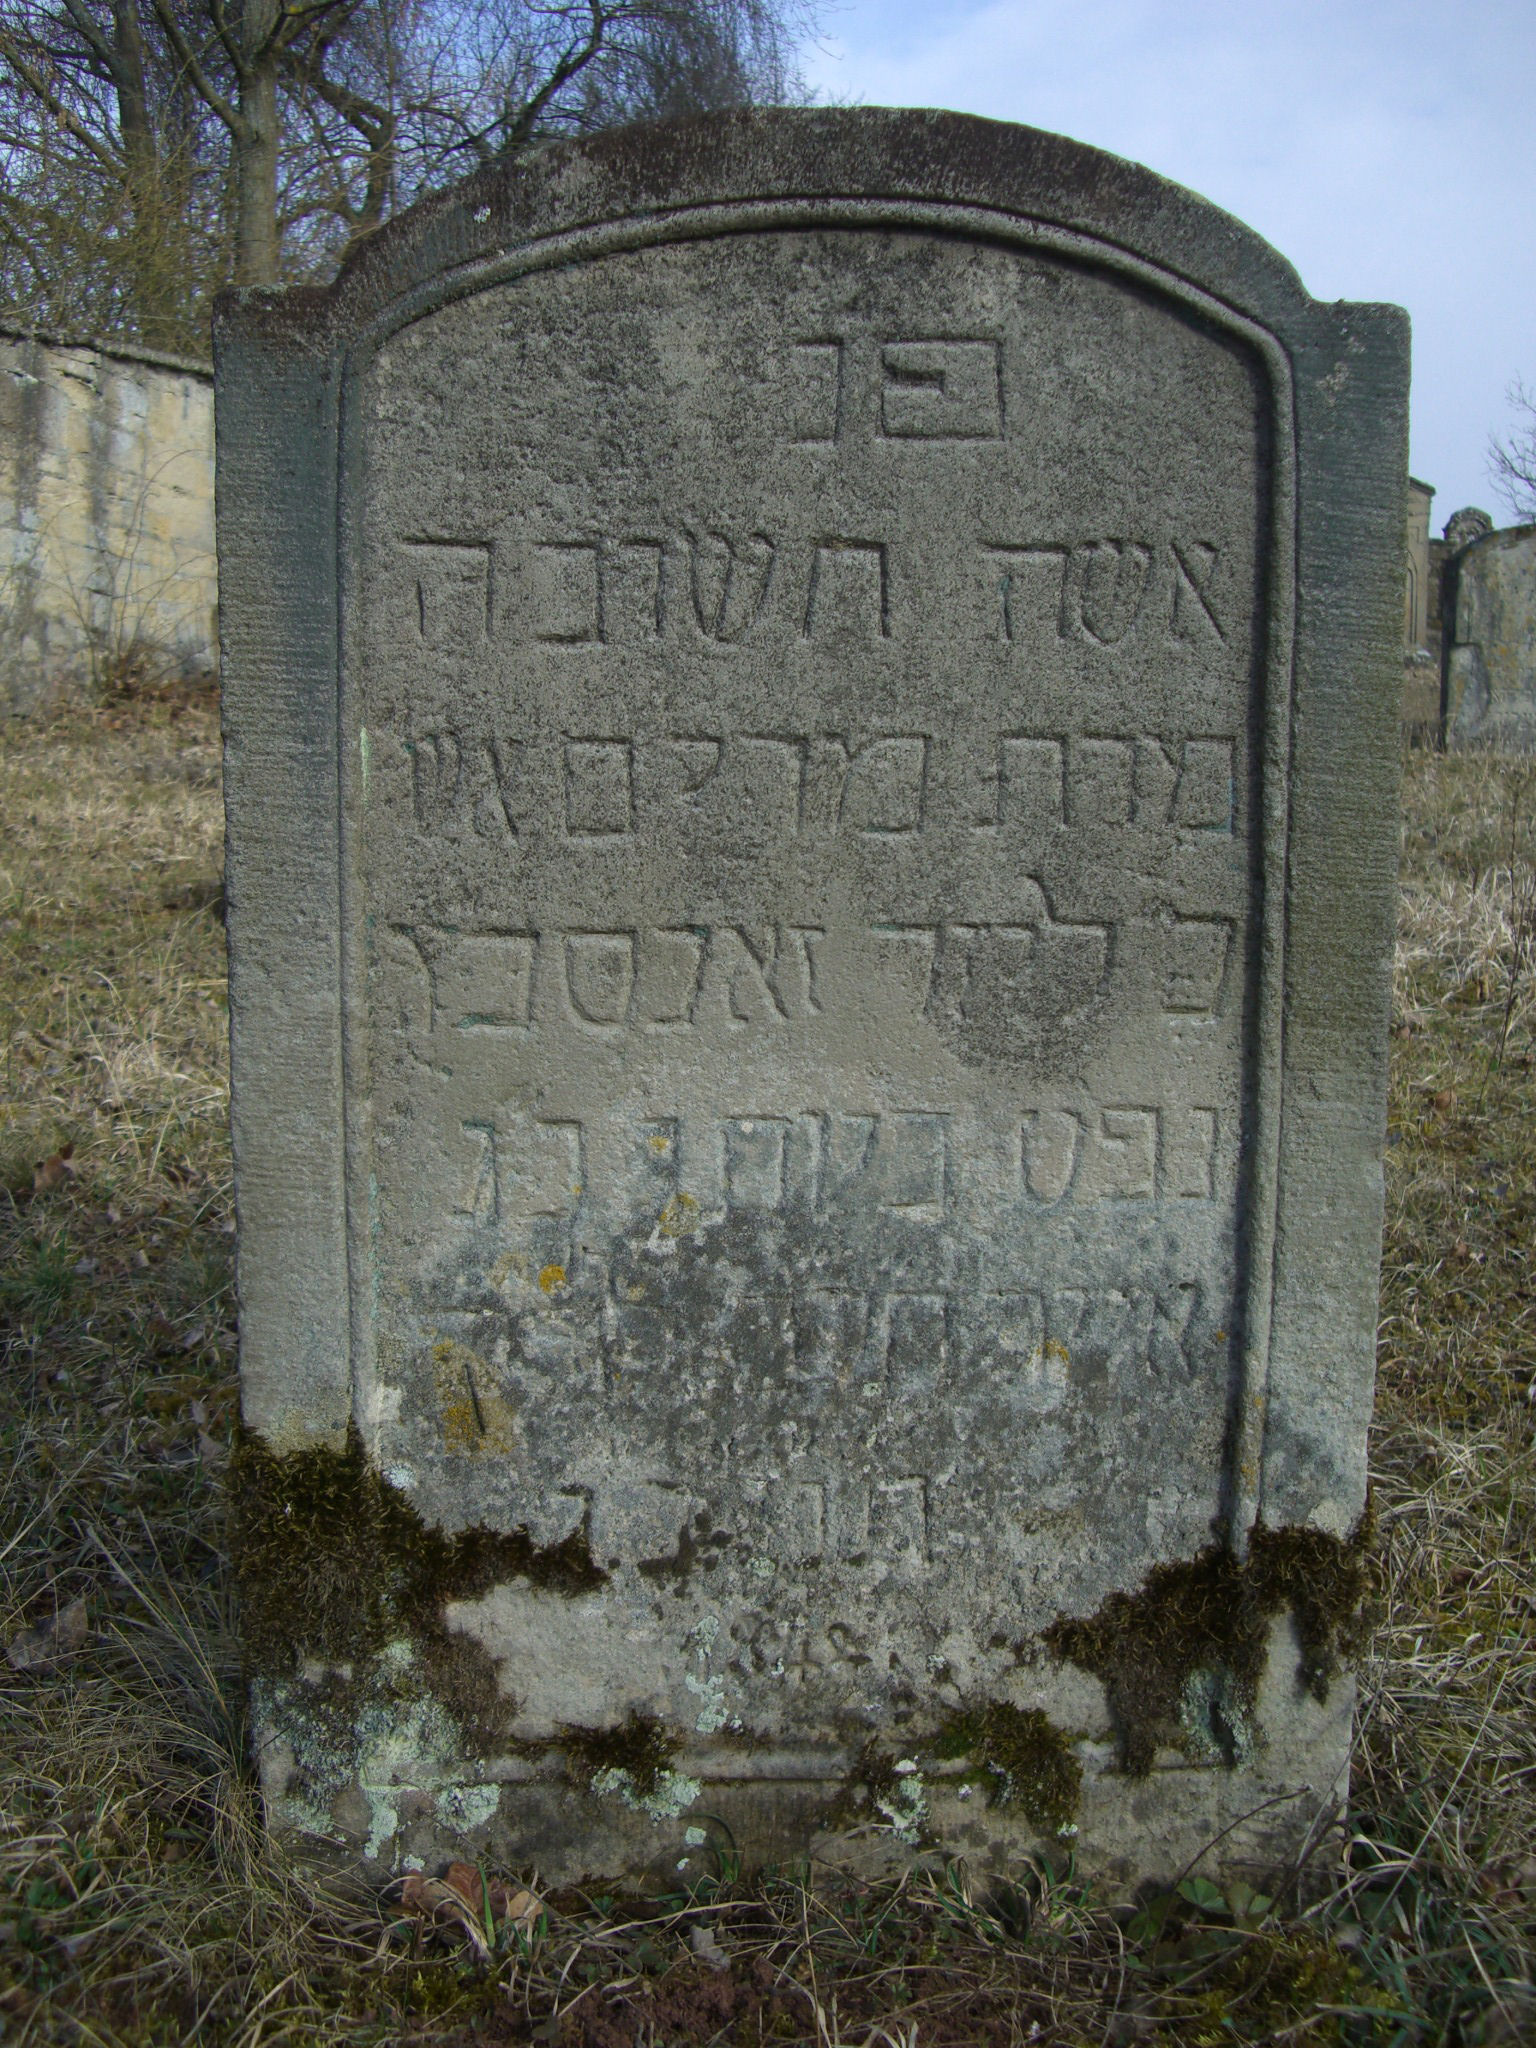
1235,1902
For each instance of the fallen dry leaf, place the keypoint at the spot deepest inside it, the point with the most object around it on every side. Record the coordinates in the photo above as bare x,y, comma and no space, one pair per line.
35,1649
506,1902
464,1900
444,1908
705,1944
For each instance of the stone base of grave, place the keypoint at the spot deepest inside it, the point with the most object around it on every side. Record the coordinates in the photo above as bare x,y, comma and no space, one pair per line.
411,1804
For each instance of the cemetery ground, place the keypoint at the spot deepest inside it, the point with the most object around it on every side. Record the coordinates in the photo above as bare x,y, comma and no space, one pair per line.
139,1900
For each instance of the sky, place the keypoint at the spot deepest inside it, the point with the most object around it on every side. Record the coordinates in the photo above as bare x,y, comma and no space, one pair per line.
1387,148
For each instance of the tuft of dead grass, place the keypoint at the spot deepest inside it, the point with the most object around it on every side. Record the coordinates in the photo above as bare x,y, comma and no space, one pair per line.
140,1902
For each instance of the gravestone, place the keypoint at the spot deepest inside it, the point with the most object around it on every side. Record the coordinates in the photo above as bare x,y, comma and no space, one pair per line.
1489,688
811,725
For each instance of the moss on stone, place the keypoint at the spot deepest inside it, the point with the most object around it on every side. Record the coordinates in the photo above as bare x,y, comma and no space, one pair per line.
461,1672
1181,1659
331,1561
1019,1757
640,1747
1327,1586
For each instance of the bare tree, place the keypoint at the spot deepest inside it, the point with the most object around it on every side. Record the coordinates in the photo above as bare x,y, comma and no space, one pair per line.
408,95
109,195
153,149
1512,461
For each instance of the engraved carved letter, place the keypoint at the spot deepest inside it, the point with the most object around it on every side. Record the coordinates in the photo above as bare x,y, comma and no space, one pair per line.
1114,576
729,583
941,391
848,592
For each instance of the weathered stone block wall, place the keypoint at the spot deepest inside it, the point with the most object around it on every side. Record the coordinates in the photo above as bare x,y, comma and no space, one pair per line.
1421,655
1490,694
106,516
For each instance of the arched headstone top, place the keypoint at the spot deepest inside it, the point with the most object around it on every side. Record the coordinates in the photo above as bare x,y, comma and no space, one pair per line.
796,159
1471,523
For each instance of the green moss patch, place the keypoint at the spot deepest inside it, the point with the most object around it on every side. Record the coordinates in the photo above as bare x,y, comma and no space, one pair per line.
332,1561
1181,1659
640,1747
1019,1757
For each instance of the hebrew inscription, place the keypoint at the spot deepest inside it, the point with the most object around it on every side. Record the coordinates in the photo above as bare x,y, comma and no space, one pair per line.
906,388
907,1162
808,883
465,781
700,585
1104,591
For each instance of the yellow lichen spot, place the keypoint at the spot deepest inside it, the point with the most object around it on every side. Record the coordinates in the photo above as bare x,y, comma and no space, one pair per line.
552,1278
679,1217
1057,1351
659,1142
634,1292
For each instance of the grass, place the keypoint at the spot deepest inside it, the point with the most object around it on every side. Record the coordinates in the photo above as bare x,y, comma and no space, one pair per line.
139,1901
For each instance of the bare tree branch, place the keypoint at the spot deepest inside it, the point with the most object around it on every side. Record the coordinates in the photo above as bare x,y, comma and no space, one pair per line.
199,77
160,147
1512,461
42,90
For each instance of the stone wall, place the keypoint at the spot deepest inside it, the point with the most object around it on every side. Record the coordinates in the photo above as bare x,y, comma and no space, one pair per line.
1421,661
1490,660
106,517
1416,573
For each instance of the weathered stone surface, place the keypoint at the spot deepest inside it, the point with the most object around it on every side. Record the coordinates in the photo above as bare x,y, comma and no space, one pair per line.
1490,656
812,717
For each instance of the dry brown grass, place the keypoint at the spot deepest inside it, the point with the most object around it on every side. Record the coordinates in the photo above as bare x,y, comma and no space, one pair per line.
139,1900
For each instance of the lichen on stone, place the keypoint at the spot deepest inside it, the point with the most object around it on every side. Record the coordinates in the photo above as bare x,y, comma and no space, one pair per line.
713,1712
886,1790
467,1807
669,1795
905,1804
631,1762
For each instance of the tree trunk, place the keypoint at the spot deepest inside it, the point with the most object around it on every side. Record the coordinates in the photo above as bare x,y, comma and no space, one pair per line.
156,284
255,146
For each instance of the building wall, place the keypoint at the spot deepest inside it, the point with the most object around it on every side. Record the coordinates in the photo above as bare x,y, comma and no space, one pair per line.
1490,666
106,517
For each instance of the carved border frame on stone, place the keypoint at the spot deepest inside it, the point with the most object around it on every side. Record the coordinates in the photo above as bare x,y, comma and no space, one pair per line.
288,362
611,238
